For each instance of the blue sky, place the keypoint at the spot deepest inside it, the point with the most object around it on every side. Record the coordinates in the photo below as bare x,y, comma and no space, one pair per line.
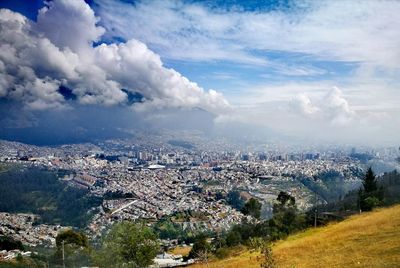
306,68
233,78
27,8
225,75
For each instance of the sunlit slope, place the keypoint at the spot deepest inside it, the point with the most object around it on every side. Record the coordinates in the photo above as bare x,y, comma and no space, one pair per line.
246,259
367,240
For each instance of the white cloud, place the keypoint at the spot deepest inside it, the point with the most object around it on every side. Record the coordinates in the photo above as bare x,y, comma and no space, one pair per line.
320,112
36,58
333,108
337,108
356,31
138,68
297,70
69,24
302,103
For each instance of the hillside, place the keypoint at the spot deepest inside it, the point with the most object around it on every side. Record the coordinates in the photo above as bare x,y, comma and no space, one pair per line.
367,240
39,191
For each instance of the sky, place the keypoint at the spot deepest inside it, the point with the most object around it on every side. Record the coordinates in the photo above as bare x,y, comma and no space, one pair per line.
315,70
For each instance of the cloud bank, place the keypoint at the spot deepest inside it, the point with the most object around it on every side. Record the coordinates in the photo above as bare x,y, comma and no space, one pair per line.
320,112
36,58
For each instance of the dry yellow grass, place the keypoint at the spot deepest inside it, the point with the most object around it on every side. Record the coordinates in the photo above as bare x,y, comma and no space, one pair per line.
184,251
367,240
245,259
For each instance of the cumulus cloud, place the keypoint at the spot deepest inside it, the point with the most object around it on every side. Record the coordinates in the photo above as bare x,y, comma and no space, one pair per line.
138,68
36,58
302,103
70,24
360,112
18,79
332,108
337,109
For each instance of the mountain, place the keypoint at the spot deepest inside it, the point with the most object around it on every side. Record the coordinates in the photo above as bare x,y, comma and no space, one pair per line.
91,123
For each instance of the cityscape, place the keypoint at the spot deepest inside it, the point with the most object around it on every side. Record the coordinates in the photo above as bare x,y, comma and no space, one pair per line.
188,133
152,180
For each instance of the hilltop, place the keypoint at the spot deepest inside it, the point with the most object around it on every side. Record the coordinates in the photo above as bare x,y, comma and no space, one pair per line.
367,240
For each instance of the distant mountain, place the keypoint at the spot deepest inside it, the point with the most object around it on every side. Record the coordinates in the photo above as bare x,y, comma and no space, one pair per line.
91,123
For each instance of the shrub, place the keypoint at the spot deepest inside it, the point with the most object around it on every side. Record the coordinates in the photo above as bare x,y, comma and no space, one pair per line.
369,203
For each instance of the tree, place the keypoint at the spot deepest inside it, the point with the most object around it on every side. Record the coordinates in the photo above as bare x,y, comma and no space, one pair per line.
75,248
252,208
233,238
128,245
69,236
201,248
285,201
370,195
369,203
235,200
219,195
370,185
286,219
19,258
8,243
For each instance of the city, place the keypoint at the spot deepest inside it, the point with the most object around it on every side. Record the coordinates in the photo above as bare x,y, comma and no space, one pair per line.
159,180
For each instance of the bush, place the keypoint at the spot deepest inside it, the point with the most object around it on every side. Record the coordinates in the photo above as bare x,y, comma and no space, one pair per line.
369,203
252,208
69,236
76,248
222,253
200,248
267,257
19,258
233,238
8,243
235,200
128,245
256,242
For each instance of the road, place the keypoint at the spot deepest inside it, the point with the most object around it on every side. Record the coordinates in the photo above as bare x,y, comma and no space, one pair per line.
124,206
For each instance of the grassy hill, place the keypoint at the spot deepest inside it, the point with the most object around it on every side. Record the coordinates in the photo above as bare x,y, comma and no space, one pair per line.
366,240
